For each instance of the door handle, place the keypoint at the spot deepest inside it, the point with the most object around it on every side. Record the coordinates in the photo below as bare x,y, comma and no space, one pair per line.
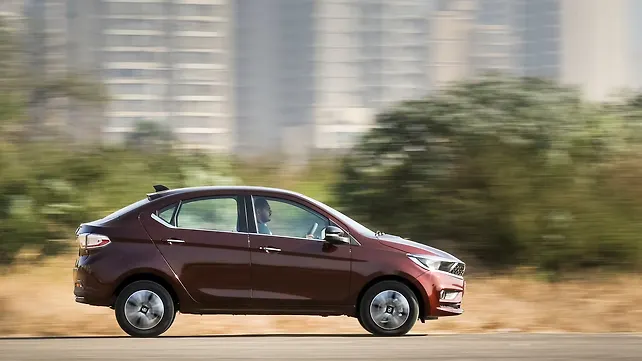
172,241
270,249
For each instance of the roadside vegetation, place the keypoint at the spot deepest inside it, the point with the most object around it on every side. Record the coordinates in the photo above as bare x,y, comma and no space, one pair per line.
511,171
519,177
507,172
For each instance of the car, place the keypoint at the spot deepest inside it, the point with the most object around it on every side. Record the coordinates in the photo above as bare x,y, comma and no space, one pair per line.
255,250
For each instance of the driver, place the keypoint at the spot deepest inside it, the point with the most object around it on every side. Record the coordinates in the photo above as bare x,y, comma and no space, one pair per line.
263,215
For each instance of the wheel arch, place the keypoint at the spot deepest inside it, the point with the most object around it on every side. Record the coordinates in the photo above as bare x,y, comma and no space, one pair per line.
422,300
147,276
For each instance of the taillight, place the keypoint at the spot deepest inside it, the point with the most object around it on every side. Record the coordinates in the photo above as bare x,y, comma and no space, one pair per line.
92,240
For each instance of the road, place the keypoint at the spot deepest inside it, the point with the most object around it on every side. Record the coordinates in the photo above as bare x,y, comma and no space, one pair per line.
507,346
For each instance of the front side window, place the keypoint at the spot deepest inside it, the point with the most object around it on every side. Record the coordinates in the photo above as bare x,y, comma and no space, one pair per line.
210,214
288,219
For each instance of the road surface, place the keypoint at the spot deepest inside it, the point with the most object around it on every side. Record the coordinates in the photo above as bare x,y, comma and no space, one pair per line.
507,346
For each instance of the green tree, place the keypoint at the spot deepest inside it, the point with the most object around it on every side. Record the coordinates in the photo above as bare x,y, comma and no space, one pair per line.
512,170
150,136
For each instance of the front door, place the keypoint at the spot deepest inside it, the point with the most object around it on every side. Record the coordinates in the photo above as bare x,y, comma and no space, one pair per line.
293,269
205,241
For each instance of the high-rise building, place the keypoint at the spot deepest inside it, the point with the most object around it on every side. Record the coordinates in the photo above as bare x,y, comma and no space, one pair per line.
312,73
495,37
586,43
370,54
291,76
596,46
274,75
11,8
46,40
163,61
539,28
636,29
341,88
169,61
85,122
451,22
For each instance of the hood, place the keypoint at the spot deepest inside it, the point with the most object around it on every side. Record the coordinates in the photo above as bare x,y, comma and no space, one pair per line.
409,246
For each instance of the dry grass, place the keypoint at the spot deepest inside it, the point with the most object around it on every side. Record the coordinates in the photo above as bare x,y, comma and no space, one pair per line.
38,300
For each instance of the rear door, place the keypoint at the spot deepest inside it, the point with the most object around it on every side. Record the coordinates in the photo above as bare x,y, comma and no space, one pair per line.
205,241
293,269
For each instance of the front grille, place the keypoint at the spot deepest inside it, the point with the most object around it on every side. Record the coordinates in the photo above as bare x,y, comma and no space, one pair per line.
459,269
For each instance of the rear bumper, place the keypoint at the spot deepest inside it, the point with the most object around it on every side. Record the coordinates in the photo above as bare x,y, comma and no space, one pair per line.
88,290
435,305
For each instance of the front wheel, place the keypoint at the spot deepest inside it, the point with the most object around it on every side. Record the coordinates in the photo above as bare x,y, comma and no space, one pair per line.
388,308
144,309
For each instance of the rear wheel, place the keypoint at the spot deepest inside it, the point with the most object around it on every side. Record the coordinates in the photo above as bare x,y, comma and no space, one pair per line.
388,308
144,309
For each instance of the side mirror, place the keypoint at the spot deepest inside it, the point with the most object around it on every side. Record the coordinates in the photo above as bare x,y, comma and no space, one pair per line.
335,235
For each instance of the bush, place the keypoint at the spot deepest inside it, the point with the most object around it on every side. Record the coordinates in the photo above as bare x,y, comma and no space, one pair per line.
47,190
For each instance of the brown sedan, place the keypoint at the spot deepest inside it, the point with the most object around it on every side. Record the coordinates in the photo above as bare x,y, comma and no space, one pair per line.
253,250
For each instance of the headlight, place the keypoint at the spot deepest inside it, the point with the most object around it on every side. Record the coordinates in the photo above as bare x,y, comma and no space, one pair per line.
430,263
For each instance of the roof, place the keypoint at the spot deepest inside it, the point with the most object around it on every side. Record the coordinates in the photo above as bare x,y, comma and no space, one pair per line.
184,190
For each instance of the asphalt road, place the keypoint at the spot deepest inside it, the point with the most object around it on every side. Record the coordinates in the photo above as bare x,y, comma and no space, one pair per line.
331,347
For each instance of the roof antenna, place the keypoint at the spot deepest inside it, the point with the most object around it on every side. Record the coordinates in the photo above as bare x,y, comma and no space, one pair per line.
160,188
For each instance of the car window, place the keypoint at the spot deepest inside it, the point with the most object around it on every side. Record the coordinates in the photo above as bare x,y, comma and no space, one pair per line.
166,213
212,214
284,218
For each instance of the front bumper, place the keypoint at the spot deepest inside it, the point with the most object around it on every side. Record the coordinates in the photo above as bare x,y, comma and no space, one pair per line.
438,303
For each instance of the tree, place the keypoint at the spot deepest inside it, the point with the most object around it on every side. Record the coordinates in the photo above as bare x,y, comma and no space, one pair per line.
510,169
150,136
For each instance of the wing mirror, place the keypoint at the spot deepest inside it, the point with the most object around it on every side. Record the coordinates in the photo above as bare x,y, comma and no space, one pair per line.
335,235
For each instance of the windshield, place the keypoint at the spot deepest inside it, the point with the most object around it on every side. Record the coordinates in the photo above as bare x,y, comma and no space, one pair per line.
360,228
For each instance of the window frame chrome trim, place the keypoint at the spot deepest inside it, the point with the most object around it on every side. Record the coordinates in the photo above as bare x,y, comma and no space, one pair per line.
167,225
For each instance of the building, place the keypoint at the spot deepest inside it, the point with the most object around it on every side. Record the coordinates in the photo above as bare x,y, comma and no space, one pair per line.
311,74
260,77
539,27
495,37
588,44
46,41
169,61
347,50
274,76
370,54
451,23
636,29
596,43
11,8
163,61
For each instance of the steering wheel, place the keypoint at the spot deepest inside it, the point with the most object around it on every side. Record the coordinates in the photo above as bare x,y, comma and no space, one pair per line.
312,229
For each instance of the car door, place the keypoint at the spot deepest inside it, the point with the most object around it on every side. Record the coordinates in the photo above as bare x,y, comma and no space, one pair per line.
289,271
205,242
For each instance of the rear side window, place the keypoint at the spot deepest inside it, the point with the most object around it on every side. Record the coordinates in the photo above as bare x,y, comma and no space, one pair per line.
167,213
210,214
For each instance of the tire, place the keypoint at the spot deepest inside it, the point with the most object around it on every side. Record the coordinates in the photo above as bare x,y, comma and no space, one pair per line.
393,313
156,309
